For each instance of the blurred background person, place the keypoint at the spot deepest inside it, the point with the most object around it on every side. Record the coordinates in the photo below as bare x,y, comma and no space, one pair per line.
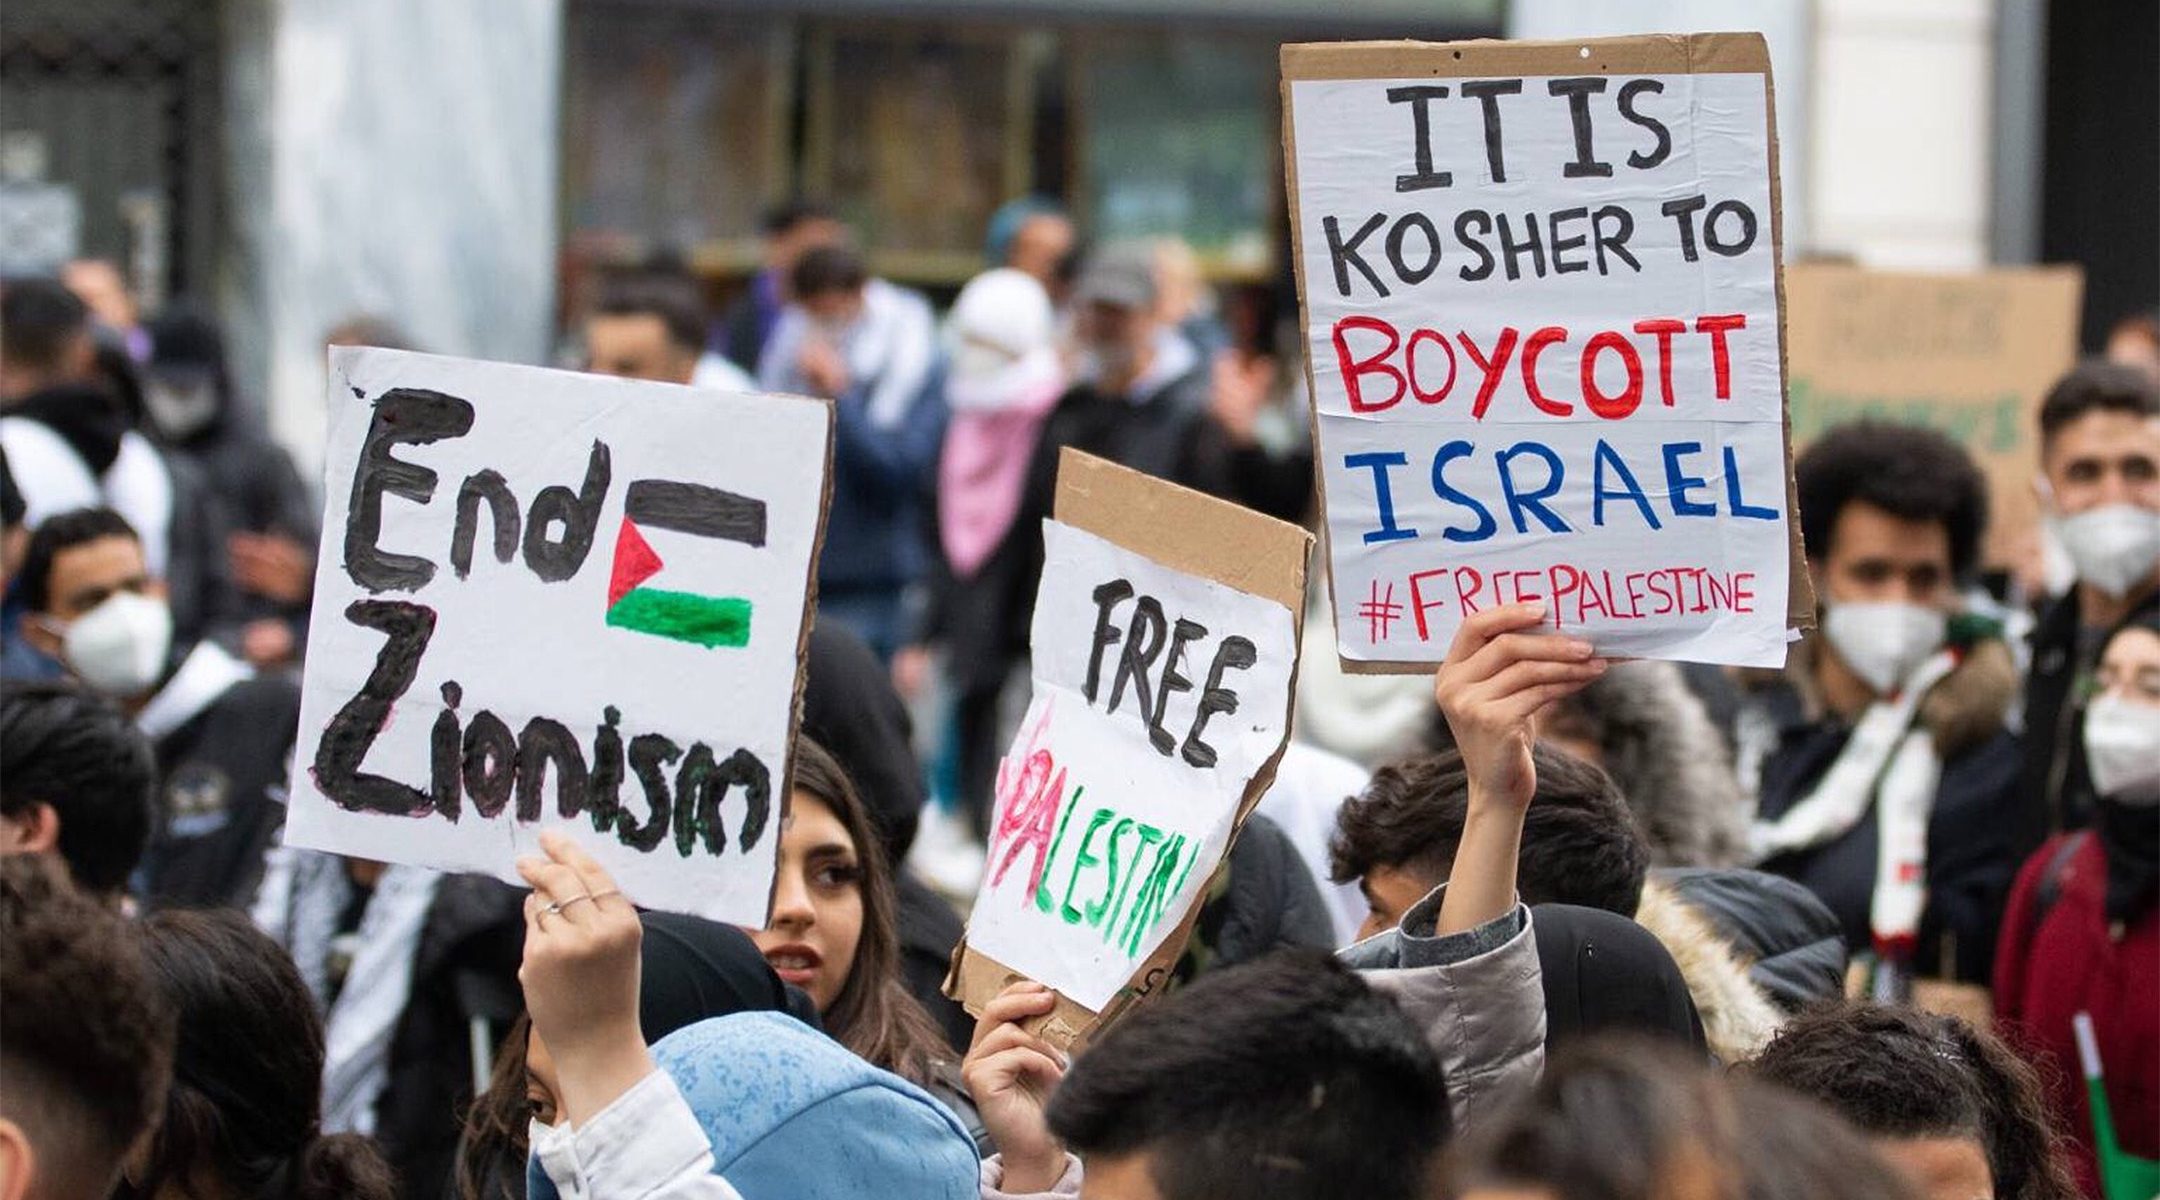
98,283
1004,376
67,425
871,348
651,325
791,231
190,406
1034,236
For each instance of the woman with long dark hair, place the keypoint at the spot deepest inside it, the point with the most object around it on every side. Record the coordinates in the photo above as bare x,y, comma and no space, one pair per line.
243,1120
832,930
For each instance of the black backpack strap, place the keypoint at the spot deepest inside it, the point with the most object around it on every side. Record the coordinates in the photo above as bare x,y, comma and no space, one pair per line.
2051,878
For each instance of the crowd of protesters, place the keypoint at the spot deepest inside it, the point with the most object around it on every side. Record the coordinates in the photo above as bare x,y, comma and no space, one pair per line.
1884,923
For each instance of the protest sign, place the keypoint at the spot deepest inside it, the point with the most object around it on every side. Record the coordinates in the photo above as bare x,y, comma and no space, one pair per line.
1165,648
1970,356
1540,286
555,600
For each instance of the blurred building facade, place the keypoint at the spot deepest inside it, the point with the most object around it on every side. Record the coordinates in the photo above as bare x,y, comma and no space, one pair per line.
458,167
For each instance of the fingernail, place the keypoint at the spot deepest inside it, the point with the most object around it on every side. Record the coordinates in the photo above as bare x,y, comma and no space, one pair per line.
1534,608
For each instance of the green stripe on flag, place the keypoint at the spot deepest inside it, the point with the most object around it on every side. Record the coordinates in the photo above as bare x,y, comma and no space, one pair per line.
683,616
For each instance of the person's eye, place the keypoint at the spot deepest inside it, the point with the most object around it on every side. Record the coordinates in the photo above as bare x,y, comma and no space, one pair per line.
2139,470
2082,471
836,876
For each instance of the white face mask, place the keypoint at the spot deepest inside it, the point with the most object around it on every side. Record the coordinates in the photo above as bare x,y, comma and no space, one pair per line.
2112,546
119,647
2122,746
1884,642
181,405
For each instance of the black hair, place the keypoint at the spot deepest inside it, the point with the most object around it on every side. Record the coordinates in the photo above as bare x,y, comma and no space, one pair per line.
828,269
1904,1073
785,217
245,1107
69,748
2097,385
671,297
64,531
85,1039
1287,1077
1911,473
13,508
1580,844
39,317
1630,1119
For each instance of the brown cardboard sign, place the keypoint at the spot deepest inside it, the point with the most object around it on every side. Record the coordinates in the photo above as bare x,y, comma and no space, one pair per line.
1541,287
1968,355
1165,646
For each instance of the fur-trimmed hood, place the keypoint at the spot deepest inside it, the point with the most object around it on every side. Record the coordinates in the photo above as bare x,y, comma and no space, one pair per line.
1738,1018
1967,709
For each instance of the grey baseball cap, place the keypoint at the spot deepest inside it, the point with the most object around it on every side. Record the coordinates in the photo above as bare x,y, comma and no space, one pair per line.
1121,275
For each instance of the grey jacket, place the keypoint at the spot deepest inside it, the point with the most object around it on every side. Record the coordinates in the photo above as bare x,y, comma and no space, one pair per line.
1478,995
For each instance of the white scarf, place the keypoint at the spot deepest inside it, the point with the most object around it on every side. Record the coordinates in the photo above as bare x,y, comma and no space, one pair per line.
302,894
1895,766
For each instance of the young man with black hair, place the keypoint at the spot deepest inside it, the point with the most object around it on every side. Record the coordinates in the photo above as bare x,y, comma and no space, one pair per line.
86,1040
77,783
1893,795
870,348
652,326
791,230
223,734
2100,485
1397,840
1288,1079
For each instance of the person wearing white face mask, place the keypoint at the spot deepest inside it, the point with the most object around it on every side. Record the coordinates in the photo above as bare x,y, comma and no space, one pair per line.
2100,454
1893,793
222,734
2081,934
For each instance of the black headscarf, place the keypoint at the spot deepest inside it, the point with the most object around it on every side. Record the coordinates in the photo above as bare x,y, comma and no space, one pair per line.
851,709
694,969
2130,834
1604,973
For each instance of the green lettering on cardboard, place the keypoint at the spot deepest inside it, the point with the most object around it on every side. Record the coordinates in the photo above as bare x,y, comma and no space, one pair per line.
1082,860
1042,894
1149,836
1094,911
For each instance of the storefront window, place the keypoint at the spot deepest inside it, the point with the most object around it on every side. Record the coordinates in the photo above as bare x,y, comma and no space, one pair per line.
1179,136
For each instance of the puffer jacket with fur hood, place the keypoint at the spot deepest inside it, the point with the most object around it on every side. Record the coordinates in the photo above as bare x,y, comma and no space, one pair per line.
1753,948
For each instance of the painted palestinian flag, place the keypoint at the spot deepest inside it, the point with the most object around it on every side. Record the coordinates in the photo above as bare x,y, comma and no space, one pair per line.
687,508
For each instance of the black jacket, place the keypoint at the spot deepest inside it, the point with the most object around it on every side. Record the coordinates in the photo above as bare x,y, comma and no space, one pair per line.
465,965
1266,901
1793,943
221,796
2055,774
1971,860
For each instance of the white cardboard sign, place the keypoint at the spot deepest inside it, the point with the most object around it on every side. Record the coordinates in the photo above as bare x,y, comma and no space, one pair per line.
1158,696
1543,326
547,599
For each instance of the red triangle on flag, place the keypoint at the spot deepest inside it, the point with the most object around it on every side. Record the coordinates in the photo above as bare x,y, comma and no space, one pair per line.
635,562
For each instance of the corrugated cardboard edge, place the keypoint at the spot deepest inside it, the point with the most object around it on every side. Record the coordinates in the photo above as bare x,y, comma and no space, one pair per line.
786,777
1199,535
1661,54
